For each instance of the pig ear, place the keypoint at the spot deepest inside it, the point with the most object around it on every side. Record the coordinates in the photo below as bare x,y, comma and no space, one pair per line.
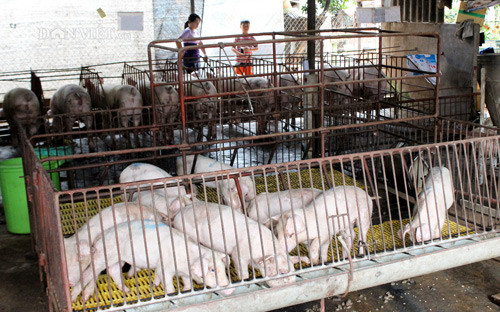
422,233
402,233
186,199
246,190
175,206
164,218
195,199
297,259
224,257
267,259
196,269
299,223
268,222
86,250
276,218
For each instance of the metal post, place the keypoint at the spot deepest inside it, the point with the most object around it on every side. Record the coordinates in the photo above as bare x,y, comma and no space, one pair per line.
483,95
311,25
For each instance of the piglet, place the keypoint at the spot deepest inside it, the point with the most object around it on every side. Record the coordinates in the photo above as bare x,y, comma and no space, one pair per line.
21,106
150,245
249,243
167,200
334,212
227,187
432,206
266,206
78,246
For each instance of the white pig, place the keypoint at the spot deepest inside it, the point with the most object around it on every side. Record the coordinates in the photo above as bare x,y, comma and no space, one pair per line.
432,206
335,74
334,212
78,250
369,90
290,98
263,102
221,228
21,105
126,98
265,206
167,200
168,108
202,106
227,187
70,100
162,248
208,105
168,103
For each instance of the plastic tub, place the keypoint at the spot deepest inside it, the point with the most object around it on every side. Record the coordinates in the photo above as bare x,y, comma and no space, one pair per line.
14,191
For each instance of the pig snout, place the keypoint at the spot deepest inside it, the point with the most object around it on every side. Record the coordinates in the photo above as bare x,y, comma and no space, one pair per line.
281,281
228,291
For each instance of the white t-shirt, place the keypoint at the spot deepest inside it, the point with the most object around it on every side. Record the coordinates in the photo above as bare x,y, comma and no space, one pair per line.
189,34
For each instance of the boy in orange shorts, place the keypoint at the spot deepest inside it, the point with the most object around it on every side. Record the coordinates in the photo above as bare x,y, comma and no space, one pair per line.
244,50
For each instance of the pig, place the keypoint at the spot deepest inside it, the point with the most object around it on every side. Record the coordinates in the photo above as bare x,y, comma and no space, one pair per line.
265,206
228,231
335,74
263,102
162,248
126,98
167,200
204,105
488,149
227,187
72,100
168,108
78,246
22,106
167,103
409,171
432,206
369,90
291,98
334,212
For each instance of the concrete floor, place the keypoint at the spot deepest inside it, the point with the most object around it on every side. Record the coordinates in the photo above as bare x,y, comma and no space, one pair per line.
466,288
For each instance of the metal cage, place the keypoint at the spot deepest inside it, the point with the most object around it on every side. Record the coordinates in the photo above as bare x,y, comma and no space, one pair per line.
239,207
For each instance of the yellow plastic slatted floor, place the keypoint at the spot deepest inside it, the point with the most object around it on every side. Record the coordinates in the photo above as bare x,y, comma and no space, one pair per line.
384,235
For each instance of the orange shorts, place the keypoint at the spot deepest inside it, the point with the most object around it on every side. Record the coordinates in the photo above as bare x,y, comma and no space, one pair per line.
243,70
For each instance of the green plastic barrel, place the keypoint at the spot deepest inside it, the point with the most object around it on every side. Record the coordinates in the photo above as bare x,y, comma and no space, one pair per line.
14,191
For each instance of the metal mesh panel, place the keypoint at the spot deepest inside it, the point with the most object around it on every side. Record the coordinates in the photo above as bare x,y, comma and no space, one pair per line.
294,22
